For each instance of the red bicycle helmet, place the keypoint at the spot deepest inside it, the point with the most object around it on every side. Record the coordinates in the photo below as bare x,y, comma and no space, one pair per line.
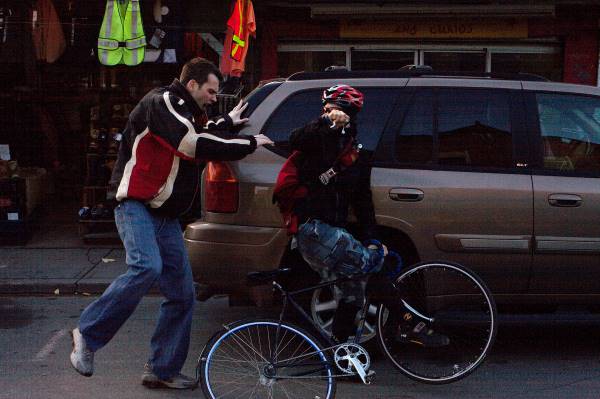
345,97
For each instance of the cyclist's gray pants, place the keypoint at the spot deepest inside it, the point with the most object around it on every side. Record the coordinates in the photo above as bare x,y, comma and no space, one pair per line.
333,252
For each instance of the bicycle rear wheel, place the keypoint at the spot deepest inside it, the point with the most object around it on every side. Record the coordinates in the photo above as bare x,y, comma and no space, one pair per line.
441,323
263,358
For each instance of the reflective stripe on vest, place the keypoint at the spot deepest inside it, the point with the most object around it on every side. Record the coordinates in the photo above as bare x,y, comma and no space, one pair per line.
121,39
237,37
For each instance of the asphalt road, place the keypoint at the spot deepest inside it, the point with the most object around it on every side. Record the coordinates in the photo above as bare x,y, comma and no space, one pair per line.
559,359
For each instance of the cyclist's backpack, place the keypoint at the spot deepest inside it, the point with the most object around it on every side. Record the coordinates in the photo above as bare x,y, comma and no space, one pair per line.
288,188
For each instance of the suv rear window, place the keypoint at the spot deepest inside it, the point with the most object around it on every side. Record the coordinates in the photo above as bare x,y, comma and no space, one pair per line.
256,96
570,127
457,127
302,107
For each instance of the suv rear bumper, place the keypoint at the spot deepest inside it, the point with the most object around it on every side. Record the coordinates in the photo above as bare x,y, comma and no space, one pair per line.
221,255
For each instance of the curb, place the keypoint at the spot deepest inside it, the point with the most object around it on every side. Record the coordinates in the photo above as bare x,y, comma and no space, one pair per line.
64,287
37,287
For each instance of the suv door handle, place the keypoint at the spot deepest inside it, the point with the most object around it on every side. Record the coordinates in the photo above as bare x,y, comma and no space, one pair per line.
564,200
406,194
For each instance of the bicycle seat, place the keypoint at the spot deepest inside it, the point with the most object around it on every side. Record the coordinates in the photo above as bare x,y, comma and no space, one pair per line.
265,276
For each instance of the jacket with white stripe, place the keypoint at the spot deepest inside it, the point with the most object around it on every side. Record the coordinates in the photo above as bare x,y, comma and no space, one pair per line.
164,147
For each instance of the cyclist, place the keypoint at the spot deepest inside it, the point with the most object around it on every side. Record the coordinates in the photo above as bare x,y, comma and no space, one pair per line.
336,173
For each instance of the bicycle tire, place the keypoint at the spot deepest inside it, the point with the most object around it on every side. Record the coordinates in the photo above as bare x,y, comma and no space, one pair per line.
461,309
239,354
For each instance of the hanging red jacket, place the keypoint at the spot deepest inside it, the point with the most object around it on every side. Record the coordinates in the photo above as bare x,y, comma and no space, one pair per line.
288,190
240,26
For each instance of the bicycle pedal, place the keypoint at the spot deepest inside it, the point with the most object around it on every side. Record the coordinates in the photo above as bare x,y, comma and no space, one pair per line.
370,377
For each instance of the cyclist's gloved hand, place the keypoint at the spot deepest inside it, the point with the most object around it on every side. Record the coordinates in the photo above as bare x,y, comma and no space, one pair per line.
385,250
393,264
377,252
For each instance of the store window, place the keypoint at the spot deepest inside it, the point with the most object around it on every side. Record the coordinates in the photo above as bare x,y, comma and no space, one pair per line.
548,65
381,60
457,127
570,127
290,62
543,60
449,61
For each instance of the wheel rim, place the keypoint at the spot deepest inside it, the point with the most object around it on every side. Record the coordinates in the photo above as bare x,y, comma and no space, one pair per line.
323,305
240,364
462,310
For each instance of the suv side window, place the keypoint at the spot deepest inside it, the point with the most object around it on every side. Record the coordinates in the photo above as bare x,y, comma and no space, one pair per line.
570,128
414,143
302,107
295,111
457,127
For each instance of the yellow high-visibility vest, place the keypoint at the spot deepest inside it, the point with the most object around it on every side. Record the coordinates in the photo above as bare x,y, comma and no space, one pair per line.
121,39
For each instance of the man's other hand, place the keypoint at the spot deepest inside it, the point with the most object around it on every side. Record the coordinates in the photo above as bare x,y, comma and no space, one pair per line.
261,139
236,113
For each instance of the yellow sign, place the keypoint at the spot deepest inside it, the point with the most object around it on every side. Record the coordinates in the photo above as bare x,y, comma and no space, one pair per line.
455,28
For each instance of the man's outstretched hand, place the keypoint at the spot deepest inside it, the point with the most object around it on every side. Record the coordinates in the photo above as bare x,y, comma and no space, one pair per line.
236,114
261,139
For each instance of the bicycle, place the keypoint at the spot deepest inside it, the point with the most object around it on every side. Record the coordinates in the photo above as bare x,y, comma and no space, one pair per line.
274,358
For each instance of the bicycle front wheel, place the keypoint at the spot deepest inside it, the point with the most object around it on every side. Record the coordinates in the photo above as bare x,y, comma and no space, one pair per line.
265,359
441,322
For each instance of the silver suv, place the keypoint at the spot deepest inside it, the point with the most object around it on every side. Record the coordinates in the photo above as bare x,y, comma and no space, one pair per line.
501,174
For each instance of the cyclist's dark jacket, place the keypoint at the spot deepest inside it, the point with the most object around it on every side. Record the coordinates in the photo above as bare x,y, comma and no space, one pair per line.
165,143
330,203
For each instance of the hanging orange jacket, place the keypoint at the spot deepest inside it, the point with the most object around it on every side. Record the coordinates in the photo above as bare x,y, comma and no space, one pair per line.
240,26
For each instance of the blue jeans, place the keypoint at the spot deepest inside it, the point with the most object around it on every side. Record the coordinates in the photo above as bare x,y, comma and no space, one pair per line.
332,251
154,252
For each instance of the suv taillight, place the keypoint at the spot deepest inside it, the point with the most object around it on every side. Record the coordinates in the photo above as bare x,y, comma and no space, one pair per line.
221,189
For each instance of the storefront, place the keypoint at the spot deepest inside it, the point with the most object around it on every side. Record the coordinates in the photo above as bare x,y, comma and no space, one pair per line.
62,110
555,41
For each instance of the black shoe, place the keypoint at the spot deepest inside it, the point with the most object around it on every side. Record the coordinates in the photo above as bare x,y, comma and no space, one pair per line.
85,213
107,213
97,212
422,335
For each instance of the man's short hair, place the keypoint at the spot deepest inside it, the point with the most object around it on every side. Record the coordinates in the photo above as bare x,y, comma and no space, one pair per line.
198,69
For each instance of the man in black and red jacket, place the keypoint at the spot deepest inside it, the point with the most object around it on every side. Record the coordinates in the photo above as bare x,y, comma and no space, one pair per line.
156,179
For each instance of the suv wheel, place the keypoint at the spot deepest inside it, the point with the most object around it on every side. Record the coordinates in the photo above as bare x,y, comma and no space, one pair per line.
323,306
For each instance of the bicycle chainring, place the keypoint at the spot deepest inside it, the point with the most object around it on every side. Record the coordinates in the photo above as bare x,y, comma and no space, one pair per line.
343,353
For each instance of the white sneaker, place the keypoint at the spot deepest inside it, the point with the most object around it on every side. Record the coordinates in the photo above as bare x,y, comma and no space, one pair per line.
82,359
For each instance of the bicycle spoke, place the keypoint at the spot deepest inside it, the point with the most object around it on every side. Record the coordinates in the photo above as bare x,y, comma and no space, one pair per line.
245,355
237,367
460,310
251,348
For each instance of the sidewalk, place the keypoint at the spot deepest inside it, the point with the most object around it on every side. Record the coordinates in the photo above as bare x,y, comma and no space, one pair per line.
56,261
59,271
